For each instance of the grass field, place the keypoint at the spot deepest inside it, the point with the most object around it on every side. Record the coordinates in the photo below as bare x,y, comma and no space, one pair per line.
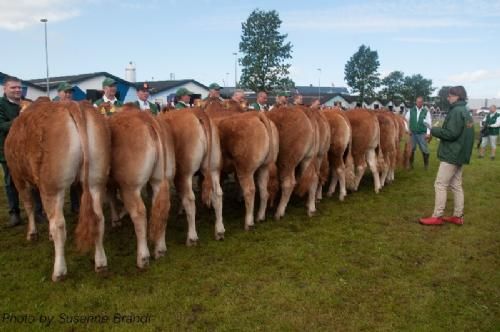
364,264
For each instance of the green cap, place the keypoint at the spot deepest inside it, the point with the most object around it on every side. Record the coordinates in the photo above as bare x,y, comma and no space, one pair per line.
64,86
108,82
214,86
283,94
183,92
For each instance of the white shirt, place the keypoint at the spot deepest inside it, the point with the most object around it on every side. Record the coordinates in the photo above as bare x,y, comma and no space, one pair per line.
144,105
427,120
106,100
496,124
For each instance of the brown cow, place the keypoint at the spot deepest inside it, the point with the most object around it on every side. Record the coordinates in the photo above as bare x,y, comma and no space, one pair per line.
49,146
249,144
340,150
365,146
404,137
197,148
389,141
298,147
142,153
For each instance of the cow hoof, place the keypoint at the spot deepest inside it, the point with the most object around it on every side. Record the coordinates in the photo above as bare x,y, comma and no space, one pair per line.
249,228
144,264
101,269
160,253
311,213
57,278
219,236
329,194
341,198
32,236
191,242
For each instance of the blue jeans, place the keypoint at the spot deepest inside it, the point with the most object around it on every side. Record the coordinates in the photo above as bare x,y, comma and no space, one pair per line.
13,195
419,139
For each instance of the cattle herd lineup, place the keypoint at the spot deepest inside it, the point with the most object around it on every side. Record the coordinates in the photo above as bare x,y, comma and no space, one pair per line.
292,149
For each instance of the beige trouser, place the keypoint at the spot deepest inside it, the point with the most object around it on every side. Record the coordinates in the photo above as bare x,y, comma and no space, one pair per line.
449,176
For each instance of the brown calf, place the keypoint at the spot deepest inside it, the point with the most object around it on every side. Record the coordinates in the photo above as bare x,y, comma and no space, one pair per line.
365,146
143,152
50,146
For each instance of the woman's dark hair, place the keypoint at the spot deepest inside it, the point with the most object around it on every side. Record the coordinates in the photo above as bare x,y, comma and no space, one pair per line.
458,91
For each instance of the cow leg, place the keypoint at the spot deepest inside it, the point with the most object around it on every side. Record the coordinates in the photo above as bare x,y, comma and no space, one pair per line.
53,205
216,200
184,185
137,211
287,184
334,178
115,207
383,174
311,199
360,171
340,173
26,195
100,260
248,187
372,162
262,182
159,214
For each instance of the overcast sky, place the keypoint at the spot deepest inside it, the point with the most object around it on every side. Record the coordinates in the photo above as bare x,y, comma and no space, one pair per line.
450,42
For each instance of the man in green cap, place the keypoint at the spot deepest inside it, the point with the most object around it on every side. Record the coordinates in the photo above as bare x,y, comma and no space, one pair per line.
214,90
281,99
64,92
142,99
109,97
261,103
183,96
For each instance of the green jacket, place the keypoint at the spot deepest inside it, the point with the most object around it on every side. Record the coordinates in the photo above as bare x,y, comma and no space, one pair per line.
417,125
180,106
152,107
456,135
8,112
103,111
490,120
256,107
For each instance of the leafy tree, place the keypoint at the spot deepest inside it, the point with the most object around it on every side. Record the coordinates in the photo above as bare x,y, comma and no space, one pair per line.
417,85
265,52
393,85
361,72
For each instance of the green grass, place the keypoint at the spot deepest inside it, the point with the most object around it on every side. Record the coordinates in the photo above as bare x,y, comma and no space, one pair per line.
364,264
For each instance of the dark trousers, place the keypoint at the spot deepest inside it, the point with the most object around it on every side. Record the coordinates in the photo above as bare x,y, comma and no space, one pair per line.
10,190
13,196
75,193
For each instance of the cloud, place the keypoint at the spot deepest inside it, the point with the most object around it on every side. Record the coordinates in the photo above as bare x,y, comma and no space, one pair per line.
20,14
474,76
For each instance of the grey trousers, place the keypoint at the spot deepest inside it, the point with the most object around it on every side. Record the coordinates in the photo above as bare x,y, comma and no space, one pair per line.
419,139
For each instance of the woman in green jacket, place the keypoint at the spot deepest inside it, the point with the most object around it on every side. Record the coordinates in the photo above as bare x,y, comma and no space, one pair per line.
455,148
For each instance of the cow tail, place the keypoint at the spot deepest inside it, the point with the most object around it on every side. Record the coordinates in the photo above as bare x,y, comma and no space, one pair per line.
206,184
87,229
273,183
307,178
161,203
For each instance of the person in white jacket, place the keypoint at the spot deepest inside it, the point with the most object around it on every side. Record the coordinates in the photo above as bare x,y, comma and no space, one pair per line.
492,122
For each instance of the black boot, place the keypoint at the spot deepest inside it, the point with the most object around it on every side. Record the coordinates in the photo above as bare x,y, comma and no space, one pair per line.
14,220
412,158
426,160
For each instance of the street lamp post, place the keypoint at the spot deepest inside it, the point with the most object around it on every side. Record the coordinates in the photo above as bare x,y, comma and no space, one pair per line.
319,83
235,70
44,21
